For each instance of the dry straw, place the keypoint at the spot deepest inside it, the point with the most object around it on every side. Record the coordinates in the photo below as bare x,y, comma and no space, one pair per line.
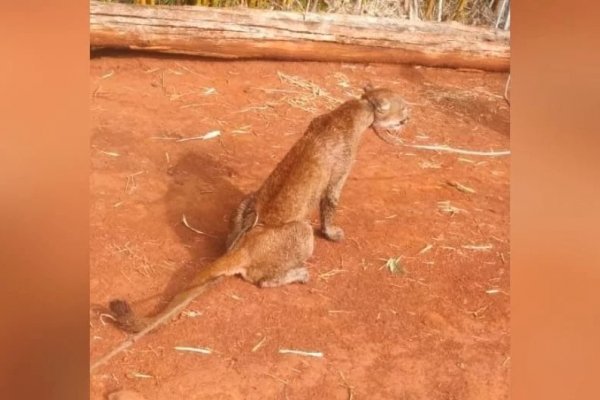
494,13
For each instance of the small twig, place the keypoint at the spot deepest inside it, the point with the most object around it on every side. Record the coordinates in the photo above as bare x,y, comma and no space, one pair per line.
107,75
425,249
301,353
460,187
506,90
326,275
131,183
243,129
105,315
141,376
97,91
186,69
418,282
477,247
164,138
235,297
394,265
500,13
350,388
259,344
110,153
209,90
276,378
191,314
209,135
459,151
446,207
496,291
194,349
507,20
477,313
185,222
253,108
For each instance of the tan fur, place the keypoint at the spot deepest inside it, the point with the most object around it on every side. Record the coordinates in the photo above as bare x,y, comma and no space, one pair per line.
270,235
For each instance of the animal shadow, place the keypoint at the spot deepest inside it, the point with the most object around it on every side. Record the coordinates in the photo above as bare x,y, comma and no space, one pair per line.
199,188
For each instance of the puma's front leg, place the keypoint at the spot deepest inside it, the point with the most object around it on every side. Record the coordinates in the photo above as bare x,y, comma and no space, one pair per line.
328,206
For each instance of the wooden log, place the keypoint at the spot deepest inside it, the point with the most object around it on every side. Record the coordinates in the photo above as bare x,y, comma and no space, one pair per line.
239,33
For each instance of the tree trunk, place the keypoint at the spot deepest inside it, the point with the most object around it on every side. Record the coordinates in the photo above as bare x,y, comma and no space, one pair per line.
256,34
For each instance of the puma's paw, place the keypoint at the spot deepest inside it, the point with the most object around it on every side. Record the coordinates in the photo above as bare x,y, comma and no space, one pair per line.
334,233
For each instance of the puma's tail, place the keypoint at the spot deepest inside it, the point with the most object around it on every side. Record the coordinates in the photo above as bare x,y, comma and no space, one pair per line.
227,265
130,322
125,318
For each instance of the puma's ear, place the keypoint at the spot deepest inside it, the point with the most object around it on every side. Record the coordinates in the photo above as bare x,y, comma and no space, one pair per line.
368,87
380,105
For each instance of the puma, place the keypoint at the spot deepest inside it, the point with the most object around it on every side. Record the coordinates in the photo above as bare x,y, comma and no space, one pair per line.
270,235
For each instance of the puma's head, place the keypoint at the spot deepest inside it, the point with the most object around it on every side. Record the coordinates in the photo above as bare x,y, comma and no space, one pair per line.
390,110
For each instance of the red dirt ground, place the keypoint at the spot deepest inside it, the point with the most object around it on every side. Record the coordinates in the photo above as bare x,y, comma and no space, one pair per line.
437,329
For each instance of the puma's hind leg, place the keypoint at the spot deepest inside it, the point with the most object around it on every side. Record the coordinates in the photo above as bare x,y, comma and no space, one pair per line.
294,275
278,253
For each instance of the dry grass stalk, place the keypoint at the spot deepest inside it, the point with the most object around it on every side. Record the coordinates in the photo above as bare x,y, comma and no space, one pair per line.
276,378
479,312
235,297
327,275
425,249
107,75
141,376
448,149
394,265
475,12
187,225
242,130
259,344
342,80
501,13
105,315
506,89
131,184
460,187
478,247
191,314
301,352
201,350
308,99
206,136
447,208
347,386
429,165
110,153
